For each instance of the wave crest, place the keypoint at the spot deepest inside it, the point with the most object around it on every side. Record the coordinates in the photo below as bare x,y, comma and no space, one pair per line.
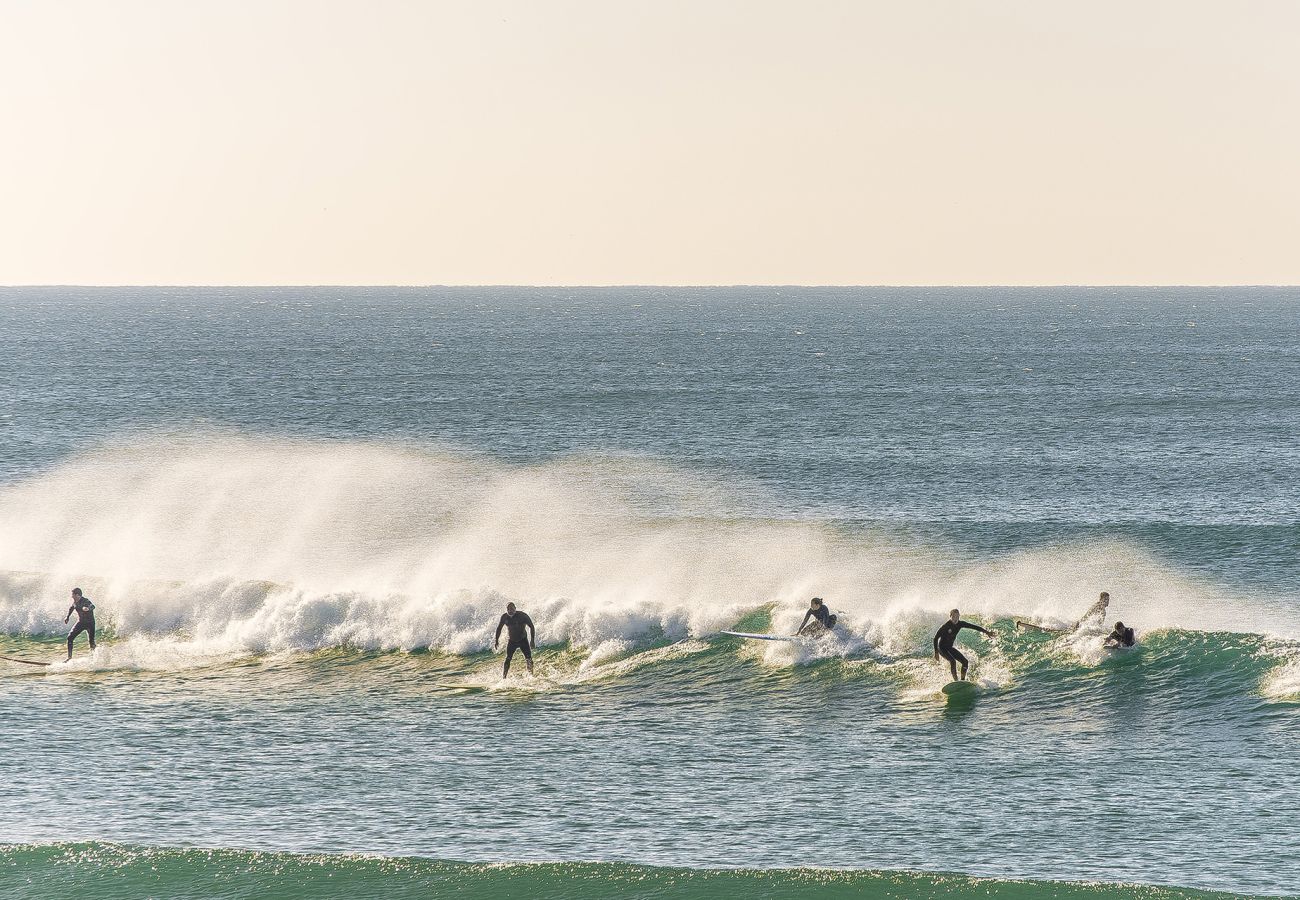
251,544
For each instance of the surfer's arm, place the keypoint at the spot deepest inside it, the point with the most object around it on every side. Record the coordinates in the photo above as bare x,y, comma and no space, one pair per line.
804,622
532,631
965,624
69,615
496,641
936,642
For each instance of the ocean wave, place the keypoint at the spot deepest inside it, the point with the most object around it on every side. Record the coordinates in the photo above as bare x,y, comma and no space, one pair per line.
236,544
111,871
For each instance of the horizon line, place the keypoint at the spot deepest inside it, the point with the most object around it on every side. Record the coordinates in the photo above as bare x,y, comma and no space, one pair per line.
643,285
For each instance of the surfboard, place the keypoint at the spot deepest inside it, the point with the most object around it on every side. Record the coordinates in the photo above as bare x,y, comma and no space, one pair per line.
960,689
759,637
459,686
1032,627
25,662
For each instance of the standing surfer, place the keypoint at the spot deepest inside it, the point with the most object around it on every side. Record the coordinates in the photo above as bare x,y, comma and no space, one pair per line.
946,635
821,612
515,621
85,611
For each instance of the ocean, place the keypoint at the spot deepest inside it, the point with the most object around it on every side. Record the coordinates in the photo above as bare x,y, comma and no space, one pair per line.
301,511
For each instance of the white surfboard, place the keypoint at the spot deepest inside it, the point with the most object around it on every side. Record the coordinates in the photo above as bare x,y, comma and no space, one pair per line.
761,637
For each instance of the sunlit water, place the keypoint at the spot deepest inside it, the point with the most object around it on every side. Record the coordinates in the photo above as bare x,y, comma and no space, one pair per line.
300,512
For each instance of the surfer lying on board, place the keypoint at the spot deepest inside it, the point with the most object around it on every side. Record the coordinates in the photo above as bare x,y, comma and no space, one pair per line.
1121,637
821,612
85,611
516,621
943,642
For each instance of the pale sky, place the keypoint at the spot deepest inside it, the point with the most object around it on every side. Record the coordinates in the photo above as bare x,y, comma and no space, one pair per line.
621,142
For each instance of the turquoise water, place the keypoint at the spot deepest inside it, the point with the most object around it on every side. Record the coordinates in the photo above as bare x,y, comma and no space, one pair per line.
300,512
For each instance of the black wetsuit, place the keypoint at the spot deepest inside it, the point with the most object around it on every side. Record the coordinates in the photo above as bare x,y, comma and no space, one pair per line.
515,626
943,644
85,611
821,613
1123,639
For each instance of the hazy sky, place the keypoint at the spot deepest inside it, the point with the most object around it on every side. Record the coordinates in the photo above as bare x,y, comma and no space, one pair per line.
606,142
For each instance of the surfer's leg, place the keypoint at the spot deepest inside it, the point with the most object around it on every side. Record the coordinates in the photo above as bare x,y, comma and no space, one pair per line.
952,663
72,636
957,657
510,653
90,633
528,656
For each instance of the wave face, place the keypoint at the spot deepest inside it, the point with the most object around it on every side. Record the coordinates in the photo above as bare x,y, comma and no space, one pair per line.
239,544
108,872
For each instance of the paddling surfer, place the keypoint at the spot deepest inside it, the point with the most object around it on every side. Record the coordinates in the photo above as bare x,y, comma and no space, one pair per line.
515,621
85,611
818,610
946,635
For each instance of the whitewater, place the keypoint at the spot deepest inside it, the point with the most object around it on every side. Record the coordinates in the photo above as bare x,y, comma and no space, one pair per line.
300,513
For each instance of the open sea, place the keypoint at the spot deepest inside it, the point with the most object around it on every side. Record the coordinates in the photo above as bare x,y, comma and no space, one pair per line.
301,511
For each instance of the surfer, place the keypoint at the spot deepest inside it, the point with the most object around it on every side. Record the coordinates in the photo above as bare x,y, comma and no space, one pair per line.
515,621
85,611
1121,637
946,635
1097,611
818,610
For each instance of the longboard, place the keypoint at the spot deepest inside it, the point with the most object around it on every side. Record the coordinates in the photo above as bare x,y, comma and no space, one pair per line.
26,662
1032,627
960,689
759,637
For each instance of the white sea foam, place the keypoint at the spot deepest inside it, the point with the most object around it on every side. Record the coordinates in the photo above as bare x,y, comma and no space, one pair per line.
242,544
1283,681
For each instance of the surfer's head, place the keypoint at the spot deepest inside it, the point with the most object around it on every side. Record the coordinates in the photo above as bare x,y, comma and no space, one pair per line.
1105,596
955,615
816,602
510,608
76,592
1119,626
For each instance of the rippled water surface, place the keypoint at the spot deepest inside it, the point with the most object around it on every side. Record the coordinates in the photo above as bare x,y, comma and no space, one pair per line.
300,512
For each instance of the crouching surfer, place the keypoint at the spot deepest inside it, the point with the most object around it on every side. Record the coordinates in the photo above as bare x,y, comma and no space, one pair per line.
947,635
821,613
515,621
85,611
1121,636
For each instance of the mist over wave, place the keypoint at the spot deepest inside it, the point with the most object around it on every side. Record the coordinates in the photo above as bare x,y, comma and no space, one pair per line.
242,543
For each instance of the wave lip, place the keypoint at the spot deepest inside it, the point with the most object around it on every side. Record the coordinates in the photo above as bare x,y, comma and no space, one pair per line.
112,871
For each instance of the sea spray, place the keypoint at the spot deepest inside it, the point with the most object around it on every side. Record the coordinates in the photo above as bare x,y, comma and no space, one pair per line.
258,544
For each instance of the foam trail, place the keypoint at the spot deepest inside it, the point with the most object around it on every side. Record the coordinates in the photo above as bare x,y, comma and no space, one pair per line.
244,544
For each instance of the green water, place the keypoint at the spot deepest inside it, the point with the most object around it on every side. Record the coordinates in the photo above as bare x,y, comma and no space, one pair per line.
130,873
